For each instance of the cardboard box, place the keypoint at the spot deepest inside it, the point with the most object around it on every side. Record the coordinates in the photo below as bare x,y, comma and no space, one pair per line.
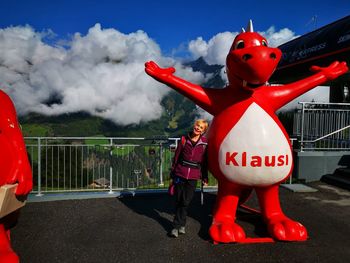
8,200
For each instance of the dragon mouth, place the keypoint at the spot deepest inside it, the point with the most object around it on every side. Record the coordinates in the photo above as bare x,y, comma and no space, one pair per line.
251,85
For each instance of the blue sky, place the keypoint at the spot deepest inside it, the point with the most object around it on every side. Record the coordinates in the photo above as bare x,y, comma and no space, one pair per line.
170,23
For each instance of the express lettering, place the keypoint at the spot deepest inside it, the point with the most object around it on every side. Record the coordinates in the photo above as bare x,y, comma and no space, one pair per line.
256,160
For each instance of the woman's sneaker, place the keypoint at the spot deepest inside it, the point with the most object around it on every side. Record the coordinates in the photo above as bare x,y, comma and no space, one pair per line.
174,232
182,230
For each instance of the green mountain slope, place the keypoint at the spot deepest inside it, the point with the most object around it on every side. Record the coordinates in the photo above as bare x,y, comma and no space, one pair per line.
178,116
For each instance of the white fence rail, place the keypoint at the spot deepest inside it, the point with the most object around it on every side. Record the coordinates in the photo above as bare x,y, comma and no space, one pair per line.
72,164
322,126
62,164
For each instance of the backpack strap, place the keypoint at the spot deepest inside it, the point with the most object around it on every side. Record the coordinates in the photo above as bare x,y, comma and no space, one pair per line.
183,140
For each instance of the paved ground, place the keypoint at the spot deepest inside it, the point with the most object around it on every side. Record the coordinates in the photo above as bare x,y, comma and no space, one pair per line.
134,229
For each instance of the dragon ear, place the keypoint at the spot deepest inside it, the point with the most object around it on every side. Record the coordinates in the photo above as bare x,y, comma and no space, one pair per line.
250,26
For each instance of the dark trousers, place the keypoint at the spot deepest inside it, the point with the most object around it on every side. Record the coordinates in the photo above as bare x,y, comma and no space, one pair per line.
184,192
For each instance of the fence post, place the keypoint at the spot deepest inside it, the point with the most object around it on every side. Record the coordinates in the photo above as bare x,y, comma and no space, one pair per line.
161,183
110,167
302,127
39,168
292,145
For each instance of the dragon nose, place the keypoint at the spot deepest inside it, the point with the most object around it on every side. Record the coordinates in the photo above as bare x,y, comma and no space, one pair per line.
246,57
273,55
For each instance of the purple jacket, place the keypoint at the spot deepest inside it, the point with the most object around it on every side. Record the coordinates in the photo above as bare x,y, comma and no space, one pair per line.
196,153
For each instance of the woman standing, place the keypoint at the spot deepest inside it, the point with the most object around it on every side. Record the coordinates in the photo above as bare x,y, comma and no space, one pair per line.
189,165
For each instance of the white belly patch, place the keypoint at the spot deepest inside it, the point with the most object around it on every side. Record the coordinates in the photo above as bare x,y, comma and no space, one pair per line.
255,152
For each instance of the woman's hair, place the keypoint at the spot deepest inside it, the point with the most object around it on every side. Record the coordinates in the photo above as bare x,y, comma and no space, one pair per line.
204,122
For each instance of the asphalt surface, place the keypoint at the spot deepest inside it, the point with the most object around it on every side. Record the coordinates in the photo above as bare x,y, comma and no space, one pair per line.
134,229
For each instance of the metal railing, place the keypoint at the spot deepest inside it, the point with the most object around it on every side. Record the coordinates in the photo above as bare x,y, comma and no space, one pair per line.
322,126
82,164
71,164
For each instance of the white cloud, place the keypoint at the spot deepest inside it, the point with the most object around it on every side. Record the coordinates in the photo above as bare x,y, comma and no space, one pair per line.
278,38
198,47
216,49
101,73
318,94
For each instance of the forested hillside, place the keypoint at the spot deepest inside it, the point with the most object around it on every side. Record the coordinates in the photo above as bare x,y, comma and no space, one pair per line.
177,117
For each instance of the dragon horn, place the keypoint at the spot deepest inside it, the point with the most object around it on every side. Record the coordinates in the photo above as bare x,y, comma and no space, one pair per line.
243,30
250,26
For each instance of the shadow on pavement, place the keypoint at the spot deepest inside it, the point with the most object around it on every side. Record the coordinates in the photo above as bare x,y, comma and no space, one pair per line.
134,229
161,207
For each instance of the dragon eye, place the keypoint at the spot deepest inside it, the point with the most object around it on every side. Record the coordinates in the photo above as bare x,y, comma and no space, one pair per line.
263,42
240,44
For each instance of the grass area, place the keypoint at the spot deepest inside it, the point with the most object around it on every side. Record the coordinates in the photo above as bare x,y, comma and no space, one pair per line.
96,141
105,143
36,130
122,150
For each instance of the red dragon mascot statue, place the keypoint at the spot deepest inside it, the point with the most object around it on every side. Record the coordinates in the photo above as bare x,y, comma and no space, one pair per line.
248,148
14,168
